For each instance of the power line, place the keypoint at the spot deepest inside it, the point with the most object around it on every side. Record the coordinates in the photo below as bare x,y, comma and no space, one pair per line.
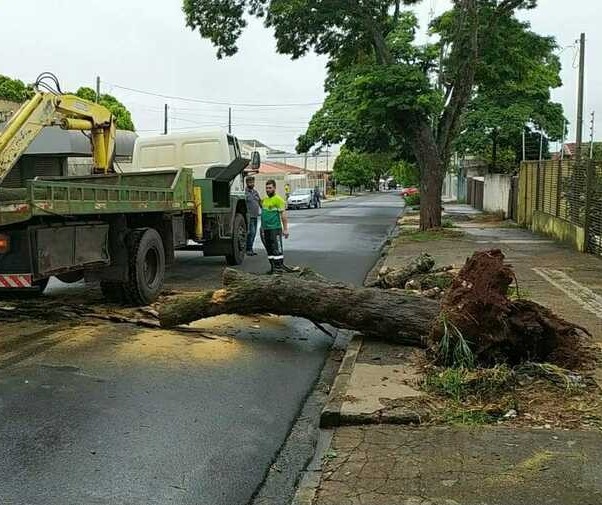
212,102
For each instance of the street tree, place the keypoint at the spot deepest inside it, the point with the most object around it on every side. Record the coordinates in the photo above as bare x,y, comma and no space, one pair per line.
123,117
353,169
517,71
14,90
375,62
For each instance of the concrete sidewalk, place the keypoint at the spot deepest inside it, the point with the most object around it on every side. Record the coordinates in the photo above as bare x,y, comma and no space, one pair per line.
376,458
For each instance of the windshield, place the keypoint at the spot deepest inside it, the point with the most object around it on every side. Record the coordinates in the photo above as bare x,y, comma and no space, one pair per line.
301,192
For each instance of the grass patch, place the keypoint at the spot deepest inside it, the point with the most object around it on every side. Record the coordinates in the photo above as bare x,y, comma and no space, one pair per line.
441,281
531,394
472,397
447,222
430,235
509,224
516,293
489,217
461,384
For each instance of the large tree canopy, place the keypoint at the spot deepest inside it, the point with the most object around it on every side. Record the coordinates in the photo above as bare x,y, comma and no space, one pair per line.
518,69
383,87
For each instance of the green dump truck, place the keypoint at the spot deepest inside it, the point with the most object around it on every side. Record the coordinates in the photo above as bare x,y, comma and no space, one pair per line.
121,228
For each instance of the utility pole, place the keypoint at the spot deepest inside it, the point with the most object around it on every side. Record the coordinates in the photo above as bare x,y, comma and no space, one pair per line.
540,146
165,120
97,88
591,135
229,119
579,139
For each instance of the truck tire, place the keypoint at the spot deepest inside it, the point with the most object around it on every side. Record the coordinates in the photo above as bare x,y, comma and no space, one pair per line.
71,277
146,267
238,247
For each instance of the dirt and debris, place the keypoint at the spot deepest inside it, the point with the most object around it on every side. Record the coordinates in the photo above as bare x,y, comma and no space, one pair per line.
419,276
535,395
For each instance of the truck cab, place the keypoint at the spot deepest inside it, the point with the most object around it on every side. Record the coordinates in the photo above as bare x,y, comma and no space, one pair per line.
216,161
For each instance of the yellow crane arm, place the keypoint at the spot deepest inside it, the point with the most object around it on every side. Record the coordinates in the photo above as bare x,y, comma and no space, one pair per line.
69,112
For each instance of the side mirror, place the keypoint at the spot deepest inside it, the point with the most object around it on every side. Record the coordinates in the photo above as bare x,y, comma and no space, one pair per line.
255,160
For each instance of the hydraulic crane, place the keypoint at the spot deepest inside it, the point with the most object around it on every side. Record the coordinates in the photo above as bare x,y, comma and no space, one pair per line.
49,107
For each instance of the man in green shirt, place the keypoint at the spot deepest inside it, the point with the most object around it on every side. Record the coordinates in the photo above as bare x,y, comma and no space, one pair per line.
274,224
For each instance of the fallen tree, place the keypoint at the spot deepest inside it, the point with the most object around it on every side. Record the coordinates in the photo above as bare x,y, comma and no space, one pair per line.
385,314
477,314
476,322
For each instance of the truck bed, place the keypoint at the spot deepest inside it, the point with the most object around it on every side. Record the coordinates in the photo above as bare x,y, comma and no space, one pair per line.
156,191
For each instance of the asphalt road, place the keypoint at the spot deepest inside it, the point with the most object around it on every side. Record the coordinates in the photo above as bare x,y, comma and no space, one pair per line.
122,415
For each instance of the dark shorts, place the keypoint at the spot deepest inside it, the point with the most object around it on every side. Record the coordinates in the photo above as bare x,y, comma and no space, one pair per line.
272,241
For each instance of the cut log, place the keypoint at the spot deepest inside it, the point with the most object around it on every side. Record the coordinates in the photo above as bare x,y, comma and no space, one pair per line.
397,277
394,316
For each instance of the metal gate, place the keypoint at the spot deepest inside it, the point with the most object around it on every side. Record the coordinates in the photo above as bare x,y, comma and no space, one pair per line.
568,190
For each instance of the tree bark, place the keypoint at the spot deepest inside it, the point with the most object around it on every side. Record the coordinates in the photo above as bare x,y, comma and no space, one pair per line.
431,175
390,315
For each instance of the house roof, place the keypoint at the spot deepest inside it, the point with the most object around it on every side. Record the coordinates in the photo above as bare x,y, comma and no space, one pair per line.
570,148
273,167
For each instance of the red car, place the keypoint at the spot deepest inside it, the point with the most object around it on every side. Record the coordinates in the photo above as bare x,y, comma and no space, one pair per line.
409,191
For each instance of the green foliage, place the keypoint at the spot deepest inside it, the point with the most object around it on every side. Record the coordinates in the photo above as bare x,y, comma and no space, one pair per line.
516,74
514,293
597,151
406,174
382,94
461,384
412,200
430,235
14,90
352,169
454,350
123,117
447,223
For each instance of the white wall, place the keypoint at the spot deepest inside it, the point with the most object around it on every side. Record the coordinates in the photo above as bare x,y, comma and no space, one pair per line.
496,193
450,187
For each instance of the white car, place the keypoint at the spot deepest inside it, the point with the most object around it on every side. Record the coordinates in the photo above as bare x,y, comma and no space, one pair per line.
301,198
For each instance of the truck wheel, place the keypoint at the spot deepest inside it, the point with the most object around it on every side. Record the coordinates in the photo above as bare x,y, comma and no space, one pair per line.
239,241
71,277
147,267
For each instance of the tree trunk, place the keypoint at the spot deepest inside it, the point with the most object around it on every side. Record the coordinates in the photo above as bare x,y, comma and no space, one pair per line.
432,170
431,186
391,315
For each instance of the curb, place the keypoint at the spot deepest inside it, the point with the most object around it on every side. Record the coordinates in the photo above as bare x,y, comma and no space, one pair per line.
310,482
331,413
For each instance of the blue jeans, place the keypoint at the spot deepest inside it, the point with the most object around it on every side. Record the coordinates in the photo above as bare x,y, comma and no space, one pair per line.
251,232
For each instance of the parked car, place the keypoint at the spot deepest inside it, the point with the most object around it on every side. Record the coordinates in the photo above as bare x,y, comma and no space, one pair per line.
409,191
301,198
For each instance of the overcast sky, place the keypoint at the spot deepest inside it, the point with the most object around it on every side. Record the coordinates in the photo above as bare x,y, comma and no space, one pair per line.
144,45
